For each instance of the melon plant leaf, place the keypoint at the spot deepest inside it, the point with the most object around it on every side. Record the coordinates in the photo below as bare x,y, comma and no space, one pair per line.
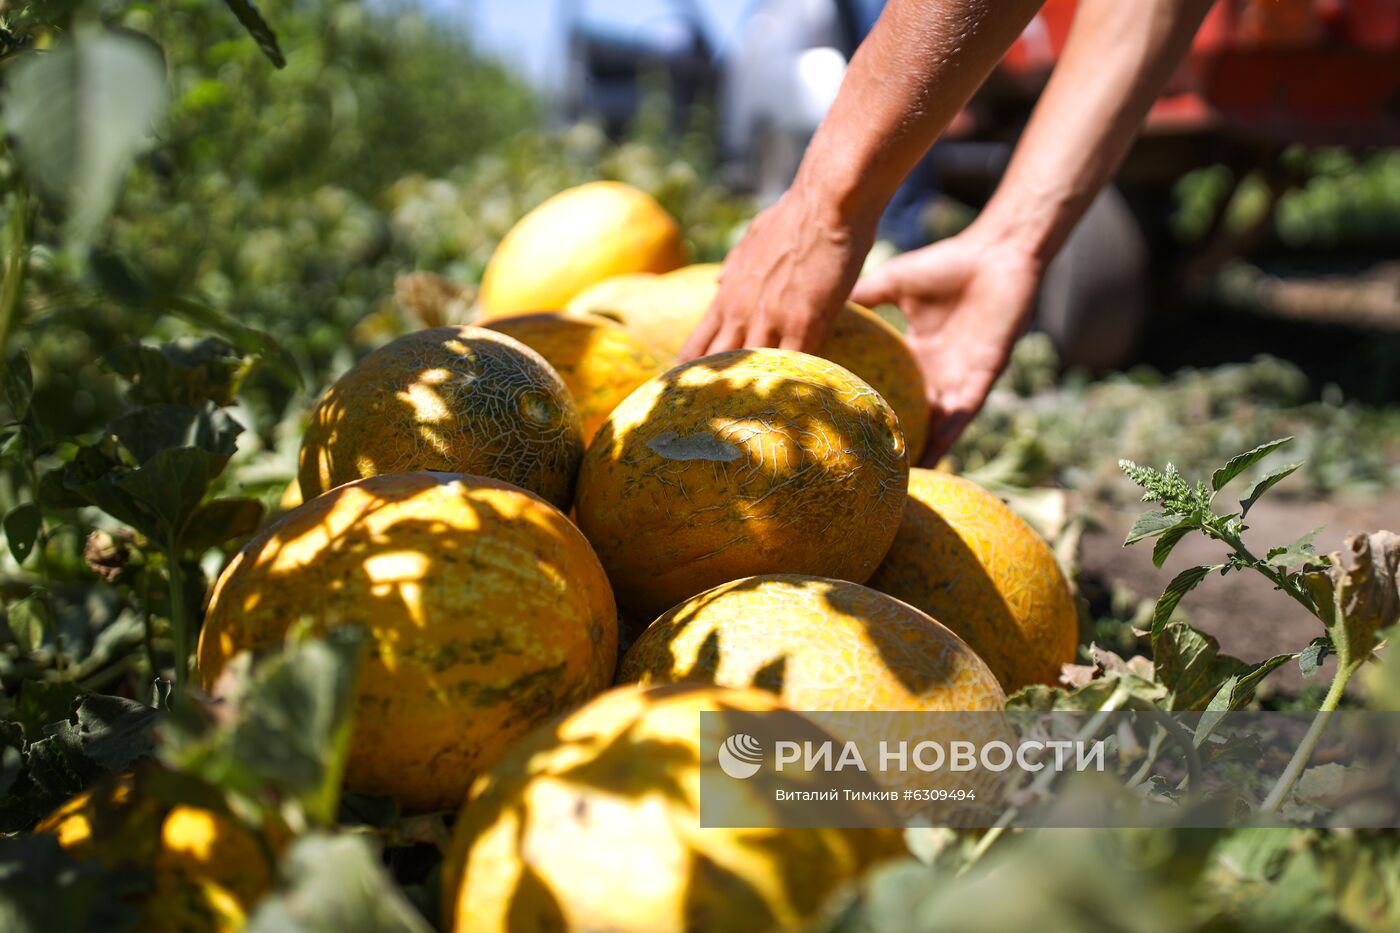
81,112
335,884
154,429
1189,663
28,621
1149,524
219,521
286,727
1241,462
19,386
1171,597
1263,485
258,28
47,889
185,372
22,525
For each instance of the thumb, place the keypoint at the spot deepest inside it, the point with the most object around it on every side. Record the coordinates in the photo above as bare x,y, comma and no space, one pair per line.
879,287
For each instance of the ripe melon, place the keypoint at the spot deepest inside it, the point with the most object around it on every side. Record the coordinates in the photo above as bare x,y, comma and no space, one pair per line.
819,644
486,610
208,870
663,309
753,461
576,238
660,309
593,824
598,360
967,560
452,399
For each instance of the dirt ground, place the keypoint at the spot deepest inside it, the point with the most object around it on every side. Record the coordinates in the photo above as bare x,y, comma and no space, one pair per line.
1249,618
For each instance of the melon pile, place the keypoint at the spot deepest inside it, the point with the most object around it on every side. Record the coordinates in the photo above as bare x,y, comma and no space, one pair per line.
505,508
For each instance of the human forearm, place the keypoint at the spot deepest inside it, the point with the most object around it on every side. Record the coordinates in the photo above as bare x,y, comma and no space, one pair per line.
1115,63
905,84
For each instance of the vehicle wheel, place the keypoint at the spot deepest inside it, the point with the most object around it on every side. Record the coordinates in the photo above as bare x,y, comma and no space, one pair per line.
1095,298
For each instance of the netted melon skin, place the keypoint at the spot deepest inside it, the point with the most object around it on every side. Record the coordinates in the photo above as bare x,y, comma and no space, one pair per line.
819,644
741,463
965,558
486,611
599,360
593,824
447,399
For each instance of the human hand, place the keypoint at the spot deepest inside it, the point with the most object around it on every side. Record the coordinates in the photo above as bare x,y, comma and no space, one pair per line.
967,299
785,281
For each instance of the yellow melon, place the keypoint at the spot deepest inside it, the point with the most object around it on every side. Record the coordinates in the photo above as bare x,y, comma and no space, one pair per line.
819,644
967,560
753,461
208,869
598,360
660,309
453,399
663,309
576,238
487,612
593,824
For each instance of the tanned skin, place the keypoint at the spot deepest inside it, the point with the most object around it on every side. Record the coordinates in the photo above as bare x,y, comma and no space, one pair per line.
969,297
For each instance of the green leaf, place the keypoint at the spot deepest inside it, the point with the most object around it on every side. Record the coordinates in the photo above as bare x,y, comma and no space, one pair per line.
46,889
81,112
160,496
28,620
1239,688
248,340
43,703
1189,663
1263,485
1168,541
219,521
154,429
1241,462
115,732
22,524
258,28
1311,657
1181,584
335,884
19,385
1300,553
1149,524
286,727
187,372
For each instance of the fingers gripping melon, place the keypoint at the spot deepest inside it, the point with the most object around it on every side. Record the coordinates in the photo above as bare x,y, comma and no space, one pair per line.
754,461
819,644
576,238
598,360
663,309
967,560
487,612
454,399
593,824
